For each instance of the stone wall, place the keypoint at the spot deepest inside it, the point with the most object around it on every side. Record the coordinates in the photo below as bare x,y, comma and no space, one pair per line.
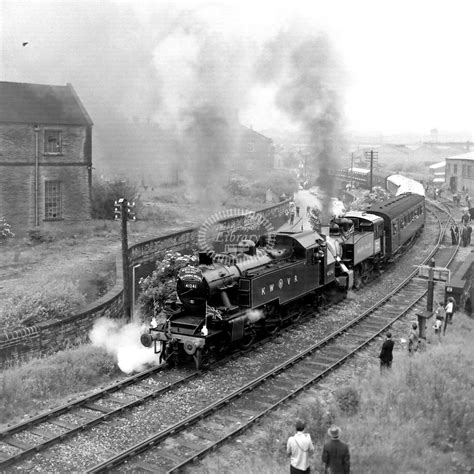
21,149
51,336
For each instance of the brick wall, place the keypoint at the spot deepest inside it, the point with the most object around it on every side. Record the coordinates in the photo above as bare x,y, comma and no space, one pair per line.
49,337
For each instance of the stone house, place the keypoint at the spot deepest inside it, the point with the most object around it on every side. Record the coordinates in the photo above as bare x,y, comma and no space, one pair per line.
256,155
460,172
45,157
146,153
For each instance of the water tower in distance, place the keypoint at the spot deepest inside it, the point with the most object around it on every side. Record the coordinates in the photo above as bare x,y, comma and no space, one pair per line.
434,135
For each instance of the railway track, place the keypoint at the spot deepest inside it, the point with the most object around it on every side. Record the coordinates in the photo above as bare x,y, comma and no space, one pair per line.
20,441
306,367
178,446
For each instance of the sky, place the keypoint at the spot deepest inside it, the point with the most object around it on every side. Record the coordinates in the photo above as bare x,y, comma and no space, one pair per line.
392,66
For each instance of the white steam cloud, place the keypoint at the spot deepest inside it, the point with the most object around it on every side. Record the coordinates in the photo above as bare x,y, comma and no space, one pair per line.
123,342
253,315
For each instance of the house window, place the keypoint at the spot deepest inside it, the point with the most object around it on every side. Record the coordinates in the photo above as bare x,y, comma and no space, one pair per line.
251,147
52,142
464,171
52,200
455,169
469,171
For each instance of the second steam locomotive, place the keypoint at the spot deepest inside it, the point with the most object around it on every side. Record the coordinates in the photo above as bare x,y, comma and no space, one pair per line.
231,297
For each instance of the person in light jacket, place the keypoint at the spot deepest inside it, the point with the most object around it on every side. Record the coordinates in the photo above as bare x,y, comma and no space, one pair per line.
336,457
299,447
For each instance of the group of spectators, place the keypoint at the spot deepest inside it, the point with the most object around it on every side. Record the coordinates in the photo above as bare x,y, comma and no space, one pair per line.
443,316
335,455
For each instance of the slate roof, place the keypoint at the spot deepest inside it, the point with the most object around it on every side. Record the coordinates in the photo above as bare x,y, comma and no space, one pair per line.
42,104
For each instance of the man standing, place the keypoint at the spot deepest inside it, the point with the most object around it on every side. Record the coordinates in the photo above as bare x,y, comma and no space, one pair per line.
299,447
413,339
292,211
386,355
336,455
449,312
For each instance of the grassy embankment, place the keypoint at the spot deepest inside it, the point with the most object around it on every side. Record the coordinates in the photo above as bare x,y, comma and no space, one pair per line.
418,418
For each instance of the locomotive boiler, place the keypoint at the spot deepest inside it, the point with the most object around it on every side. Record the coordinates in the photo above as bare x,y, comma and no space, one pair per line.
231,297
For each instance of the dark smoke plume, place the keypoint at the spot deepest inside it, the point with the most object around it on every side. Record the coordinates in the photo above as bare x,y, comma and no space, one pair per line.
308,78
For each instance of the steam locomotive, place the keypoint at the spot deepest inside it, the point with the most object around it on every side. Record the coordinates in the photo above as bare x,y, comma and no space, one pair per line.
229,298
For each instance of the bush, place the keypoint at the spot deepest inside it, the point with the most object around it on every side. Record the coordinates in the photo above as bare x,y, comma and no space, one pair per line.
40,236
54,301
238,186
348,400
280,182
35,385
105,193
160,287
5,230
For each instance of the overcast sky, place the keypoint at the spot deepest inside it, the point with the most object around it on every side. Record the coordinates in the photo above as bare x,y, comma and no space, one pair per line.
398,66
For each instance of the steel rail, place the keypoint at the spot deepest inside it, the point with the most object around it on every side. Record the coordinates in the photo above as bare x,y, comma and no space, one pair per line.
155,439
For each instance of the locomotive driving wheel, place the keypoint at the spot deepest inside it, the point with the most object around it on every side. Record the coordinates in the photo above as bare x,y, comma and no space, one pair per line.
201,358
248,339
272,318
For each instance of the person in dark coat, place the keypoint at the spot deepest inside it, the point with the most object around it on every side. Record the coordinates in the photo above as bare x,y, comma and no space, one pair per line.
453,236
386,355
464,236
469,232
336,457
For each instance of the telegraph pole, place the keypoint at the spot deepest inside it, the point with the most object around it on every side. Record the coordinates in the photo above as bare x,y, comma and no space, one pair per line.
371,155
123,211
352,170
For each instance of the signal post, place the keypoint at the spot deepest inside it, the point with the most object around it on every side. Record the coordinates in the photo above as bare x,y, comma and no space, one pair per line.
124,212
431,273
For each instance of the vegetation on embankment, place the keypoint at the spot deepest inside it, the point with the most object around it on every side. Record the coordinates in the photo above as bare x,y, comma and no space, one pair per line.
48,382
418,417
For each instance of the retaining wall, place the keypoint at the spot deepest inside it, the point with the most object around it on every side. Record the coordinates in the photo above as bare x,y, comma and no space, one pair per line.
51,336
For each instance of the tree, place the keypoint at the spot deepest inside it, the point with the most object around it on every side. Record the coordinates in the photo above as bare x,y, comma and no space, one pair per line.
104,194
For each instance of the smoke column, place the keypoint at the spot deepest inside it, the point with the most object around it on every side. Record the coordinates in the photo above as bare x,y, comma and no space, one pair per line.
203,81
308,80
123,342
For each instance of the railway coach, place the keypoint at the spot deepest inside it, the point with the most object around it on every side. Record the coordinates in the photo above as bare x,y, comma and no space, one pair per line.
403,220
395,184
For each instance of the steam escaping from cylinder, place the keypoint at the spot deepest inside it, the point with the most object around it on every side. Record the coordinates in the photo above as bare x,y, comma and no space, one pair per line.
123,342
254,315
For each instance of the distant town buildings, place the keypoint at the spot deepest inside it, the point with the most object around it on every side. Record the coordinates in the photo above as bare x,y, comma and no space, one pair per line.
45,156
